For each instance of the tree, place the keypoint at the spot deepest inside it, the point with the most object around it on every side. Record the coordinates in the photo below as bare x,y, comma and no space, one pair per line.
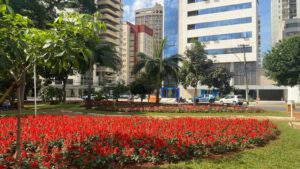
16,58
69,48
219,78
196,68
157,66
48,93
118,90
103,54
282,62
44,11
142,86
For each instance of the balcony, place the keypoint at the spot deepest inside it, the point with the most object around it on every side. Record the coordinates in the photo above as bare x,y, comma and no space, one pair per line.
111,34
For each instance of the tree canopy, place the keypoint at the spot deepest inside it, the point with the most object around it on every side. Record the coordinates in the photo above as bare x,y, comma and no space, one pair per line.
157,66
196,67
282,62
45,11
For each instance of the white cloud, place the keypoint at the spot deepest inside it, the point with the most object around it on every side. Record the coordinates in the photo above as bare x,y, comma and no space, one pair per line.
129,10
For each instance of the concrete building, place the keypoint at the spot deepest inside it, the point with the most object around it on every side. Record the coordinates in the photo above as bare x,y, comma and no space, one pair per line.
285,22
285,19
223,26
136,39
153,18
112,15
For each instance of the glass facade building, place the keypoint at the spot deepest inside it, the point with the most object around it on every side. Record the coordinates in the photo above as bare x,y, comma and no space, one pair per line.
220,23
170,89
220,9
240,35
171,27
228,51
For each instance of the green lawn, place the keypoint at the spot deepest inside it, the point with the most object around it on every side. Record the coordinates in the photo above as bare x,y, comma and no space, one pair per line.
283,153
46,108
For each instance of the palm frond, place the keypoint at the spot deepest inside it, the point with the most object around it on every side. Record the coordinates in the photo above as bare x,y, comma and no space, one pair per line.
105,55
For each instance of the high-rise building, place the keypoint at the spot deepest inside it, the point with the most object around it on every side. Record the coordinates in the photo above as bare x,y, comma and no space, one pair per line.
224,26
112,15
136,39
153,18
285,19
285,22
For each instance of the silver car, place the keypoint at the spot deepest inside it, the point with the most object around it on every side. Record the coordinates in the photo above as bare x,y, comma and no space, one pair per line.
233,99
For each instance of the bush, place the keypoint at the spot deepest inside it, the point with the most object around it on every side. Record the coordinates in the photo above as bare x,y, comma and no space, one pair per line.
51,94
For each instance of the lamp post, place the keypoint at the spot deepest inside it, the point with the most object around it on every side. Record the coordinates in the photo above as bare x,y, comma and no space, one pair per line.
245,73
34,79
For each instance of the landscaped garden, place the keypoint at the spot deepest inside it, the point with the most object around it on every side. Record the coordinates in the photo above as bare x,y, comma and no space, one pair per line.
125,106
95,142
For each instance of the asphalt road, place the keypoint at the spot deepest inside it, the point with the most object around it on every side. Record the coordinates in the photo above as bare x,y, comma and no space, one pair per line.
273,106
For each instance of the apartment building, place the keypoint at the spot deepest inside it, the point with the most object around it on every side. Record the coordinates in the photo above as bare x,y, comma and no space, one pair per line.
285,19
136,39
153,18
224,26
285,22
112,15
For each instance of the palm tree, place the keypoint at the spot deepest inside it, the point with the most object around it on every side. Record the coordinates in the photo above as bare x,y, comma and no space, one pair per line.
103,54
158,66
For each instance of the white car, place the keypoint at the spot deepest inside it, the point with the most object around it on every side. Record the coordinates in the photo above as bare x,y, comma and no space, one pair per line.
86,97
232,99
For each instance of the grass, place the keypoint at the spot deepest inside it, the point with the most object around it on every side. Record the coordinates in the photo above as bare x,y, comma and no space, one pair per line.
46,108
283,153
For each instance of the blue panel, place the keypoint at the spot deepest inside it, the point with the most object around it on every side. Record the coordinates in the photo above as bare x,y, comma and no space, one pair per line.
240,35
228,51
225,8
220,23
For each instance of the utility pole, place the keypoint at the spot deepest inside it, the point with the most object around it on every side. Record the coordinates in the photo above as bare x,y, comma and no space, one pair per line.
245,73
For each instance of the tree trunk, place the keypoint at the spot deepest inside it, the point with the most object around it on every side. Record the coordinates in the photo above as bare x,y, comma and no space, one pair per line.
89,99
64,89
195,95
157,94
19,141
8,91
22,88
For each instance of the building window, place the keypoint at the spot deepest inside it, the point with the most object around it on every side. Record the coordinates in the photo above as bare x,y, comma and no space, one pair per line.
228,51
220,9
220,23
70,81
195,1
239,35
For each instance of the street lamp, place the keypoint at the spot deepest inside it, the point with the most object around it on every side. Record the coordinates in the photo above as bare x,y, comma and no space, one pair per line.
34,79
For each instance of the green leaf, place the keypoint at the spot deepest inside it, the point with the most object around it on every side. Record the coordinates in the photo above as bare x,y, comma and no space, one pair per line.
47,45
60,54
3,7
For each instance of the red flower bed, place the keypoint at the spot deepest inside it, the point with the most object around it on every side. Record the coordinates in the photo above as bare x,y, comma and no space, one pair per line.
170,108
97,142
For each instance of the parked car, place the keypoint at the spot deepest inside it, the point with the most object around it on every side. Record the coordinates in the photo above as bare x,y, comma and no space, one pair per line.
86,97
124,96
232,99
208,98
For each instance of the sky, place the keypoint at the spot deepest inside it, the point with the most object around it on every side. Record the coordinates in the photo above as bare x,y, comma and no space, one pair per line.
264,11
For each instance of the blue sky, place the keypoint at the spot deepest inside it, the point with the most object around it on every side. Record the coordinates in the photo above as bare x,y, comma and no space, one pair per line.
264,11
